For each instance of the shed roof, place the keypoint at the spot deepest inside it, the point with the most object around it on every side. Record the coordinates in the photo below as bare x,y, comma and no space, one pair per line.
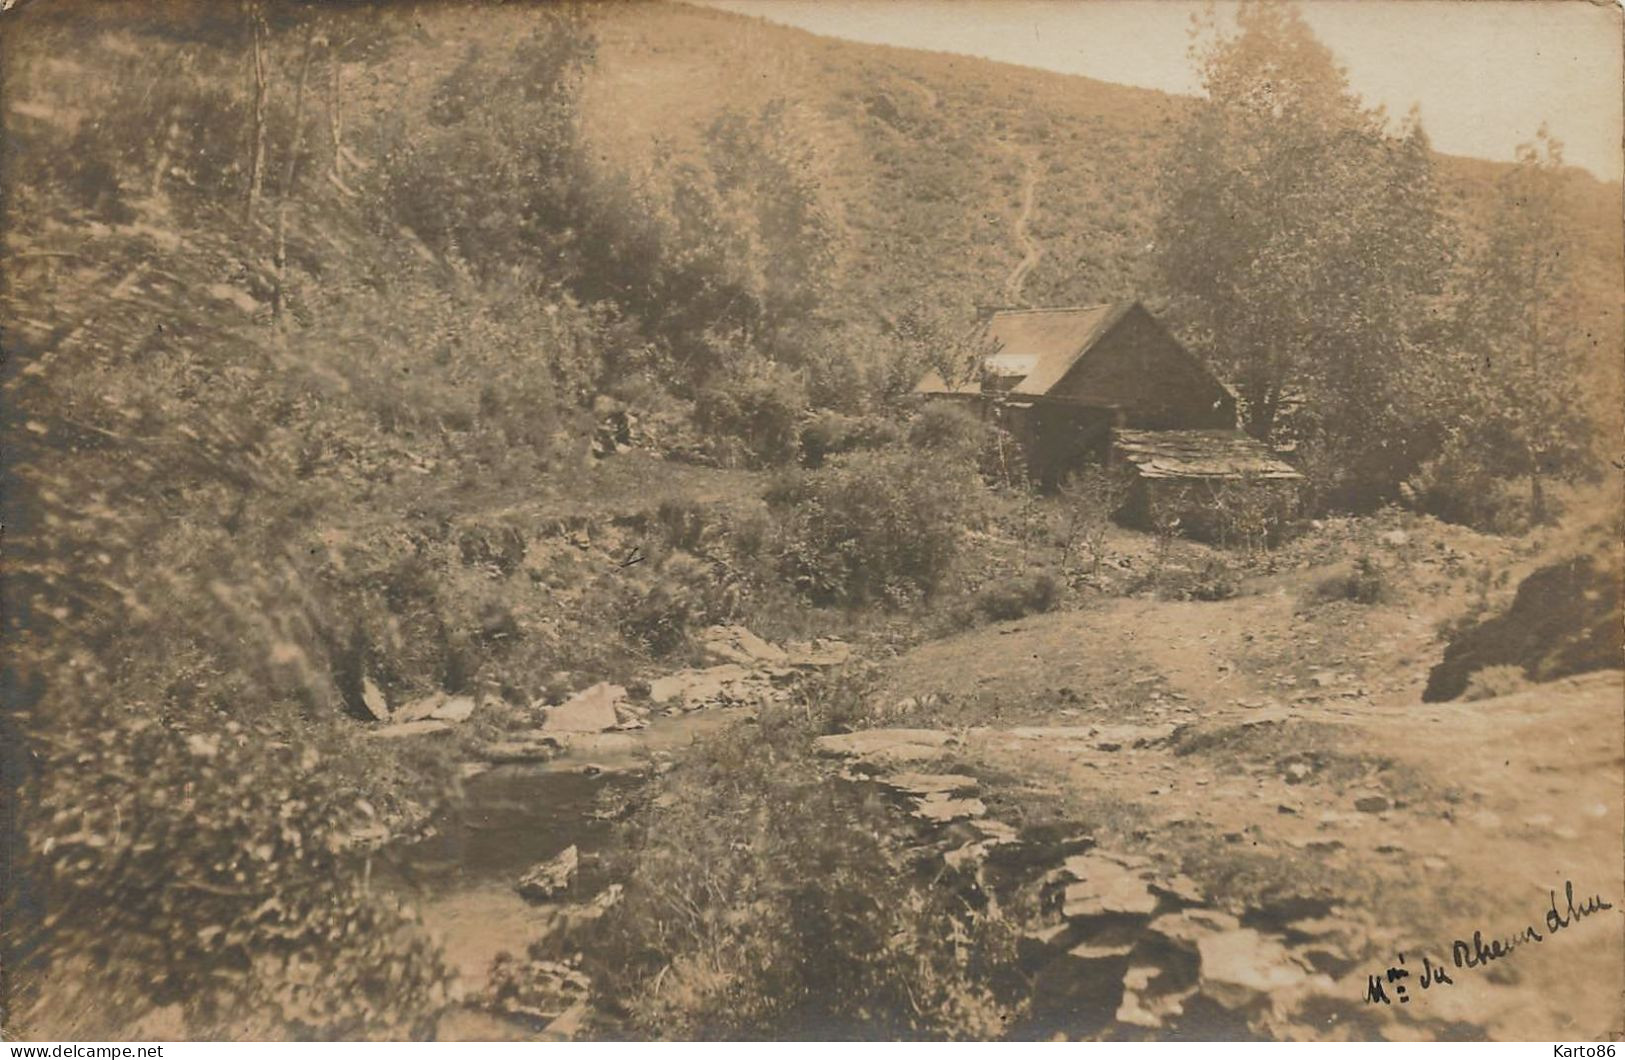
1041,345
1200,455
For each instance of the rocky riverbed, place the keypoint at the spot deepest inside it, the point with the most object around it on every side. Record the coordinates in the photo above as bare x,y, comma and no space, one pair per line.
521,857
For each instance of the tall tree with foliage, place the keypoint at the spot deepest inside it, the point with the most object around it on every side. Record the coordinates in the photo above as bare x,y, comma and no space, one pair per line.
1302,247
1522,413
766,173
495,177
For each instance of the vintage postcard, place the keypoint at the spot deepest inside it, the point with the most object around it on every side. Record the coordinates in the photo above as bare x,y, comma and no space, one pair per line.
803,520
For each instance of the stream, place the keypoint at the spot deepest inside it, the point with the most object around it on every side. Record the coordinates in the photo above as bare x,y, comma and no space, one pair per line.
461,878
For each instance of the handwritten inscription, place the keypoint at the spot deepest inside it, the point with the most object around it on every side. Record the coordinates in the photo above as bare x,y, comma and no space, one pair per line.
1391,985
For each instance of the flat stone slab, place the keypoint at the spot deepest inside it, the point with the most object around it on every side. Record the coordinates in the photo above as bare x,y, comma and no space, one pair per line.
591,710
422,708
996,831
737,644
695,688
1097,951
1243,965
1189,925
372,698
1146,1001
411,728
1104,888
928,783
1181,887
941,807
896,745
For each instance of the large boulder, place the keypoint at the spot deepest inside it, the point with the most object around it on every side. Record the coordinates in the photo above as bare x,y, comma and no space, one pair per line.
1243,969
1104,887
536,990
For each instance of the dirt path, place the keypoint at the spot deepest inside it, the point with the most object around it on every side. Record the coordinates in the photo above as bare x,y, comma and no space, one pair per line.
1031,249
1279,755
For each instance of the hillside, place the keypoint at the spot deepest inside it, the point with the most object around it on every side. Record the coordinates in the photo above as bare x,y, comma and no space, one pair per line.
924,159
925,154
427,436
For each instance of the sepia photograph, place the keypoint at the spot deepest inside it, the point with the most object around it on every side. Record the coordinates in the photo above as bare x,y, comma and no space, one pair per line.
812,520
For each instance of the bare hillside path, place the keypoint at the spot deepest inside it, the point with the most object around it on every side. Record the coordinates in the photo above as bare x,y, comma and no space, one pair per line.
1032,250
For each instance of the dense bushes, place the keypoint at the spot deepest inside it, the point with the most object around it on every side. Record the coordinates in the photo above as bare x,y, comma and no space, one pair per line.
769,900
1459,487
751,415
657,607
217,868
828,434
878,525
954,431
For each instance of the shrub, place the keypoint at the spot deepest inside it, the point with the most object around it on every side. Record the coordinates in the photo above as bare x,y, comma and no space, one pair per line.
1024,594
831,433
1366,583
682,523
658,605
951,430
1457,487
1089,499
873,525
751,414
1493,681
1213,578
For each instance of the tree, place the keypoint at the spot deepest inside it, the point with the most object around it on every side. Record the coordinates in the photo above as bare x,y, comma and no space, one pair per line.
1522,413
766,173
256,150
1301,245
280,252
496,177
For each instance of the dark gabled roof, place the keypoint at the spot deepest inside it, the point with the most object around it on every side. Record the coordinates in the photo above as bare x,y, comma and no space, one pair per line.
1200,455
1037,347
